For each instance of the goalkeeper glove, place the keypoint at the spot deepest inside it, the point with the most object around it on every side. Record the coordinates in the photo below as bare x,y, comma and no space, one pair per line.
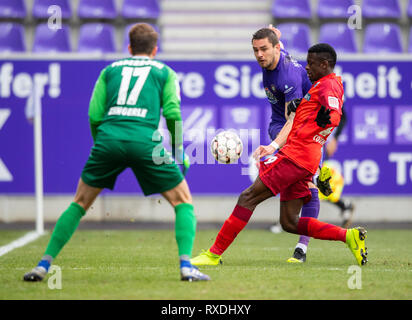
323,117
181,159
293,105
323,181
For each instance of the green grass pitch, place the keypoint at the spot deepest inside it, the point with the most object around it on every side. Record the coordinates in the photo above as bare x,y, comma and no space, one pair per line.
143,265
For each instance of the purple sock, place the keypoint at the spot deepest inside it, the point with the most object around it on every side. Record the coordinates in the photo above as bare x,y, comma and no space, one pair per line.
310,210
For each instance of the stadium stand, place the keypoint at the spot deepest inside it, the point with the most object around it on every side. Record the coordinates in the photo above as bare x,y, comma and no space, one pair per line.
146,9
212,27
97,9
96,37
292,9
40,8
12,37
215,27
410,41
409,10
381,9
47,40
339,36
331,9
382,38
295,37
12,9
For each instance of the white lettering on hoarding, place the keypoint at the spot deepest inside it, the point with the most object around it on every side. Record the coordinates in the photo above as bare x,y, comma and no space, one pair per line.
5,174
365,171
21,84
401,159
366,85
193,84
232,82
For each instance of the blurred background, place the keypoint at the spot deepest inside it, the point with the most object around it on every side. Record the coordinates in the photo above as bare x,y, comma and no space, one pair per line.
62,45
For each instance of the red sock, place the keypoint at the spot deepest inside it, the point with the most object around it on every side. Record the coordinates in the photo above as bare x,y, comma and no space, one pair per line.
320,230
230,229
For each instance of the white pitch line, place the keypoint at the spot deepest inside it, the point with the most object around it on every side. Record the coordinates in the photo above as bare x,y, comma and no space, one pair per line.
27,238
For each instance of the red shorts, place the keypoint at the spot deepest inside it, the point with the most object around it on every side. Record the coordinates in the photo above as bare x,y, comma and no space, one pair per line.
281,175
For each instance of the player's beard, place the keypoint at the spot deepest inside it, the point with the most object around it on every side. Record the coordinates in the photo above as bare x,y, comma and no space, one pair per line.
269,65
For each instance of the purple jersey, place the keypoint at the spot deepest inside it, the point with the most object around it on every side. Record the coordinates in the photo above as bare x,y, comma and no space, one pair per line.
286,82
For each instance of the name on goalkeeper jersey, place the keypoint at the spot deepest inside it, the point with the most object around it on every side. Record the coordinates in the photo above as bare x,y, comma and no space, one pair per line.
127,112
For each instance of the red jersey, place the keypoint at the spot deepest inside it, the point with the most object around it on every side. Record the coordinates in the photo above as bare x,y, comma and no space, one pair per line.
306,138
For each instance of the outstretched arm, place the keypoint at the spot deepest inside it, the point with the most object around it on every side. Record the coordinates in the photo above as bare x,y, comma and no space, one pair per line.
281,138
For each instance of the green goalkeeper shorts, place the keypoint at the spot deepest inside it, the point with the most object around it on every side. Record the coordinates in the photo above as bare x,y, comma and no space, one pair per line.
152,165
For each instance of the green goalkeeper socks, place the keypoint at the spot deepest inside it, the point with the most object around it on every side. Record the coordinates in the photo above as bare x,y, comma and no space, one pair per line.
185,228
64,229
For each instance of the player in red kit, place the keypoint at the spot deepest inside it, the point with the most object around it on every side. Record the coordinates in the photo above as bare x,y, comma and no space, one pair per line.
288,172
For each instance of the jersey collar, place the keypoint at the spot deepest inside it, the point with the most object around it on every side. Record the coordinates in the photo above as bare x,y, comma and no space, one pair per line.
141,57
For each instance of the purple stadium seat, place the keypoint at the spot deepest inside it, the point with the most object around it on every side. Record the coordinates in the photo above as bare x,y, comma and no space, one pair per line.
96,37
410,41
48,40
295,37
97,9
339,36
328,9
381,9
40,8
409,9
126,38
11,37
148,9
12,9
382,38
286,9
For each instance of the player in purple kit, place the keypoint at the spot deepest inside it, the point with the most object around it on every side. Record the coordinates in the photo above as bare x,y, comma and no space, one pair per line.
284,81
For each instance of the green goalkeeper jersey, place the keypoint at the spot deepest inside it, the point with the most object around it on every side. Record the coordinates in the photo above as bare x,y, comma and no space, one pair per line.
129,97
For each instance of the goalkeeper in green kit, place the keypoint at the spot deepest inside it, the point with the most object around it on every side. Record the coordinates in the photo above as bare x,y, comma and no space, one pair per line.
124,114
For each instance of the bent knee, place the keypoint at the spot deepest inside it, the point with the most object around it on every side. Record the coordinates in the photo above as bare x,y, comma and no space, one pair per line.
289,226
246,199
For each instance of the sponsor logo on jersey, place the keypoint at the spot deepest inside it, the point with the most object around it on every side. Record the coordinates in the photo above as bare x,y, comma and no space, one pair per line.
326,132
333,102
307,96
288,89
319,140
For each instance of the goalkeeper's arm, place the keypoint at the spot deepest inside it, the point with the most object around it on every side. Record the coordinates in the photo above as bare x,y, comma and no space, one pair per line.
172,114
97,104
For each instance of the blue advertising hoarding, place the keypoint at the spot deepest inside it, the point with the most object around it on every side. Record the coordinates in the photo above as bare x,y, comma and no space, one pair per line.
374,154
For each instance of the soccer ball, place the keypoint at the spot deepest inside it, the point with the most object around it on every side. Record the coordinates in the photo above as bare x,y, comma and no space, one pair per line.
226,147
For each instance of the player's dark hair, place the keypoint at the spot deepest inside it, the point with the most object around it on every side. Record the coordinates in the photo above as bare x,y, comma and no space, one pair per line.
325,52
266,33
142,38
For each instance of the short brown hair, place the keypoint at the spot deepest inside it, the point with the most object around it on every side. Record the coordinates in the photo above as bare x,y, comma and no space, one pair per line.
142,38
266,33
